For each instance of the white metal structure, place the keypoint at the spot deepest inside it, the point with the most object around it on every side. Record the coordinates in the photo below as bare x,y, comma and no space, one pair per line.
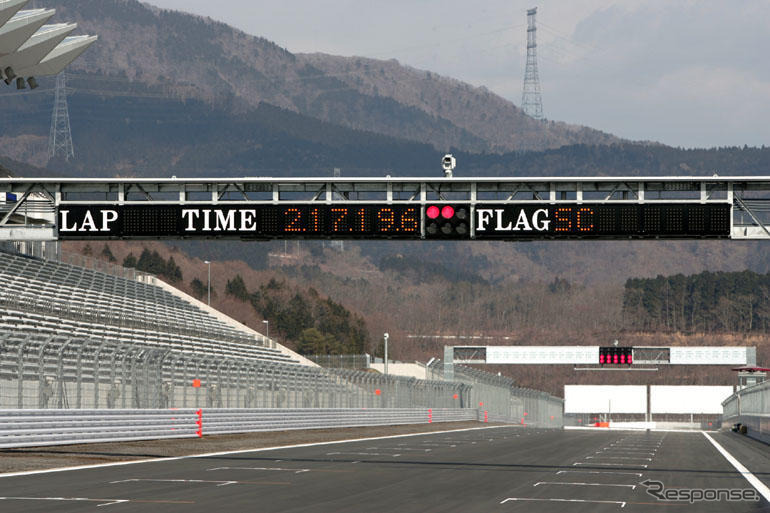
67,51
581,355
38,46
8,8
21,27
745,200
29,48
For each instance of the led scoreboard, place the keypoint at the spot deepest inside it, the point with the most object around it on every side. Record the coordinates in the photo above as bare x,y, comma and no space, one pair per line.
246,221
441,220
603,220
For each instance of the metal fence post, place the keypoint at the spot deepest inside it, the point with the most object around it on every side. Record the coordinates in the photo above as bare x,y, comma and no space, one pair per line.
97,369
45,390
79,373
62,402
161,390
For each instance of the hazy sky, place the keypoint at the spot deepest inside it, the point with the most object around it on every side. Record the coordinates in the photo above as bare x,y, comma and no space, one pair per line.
685,73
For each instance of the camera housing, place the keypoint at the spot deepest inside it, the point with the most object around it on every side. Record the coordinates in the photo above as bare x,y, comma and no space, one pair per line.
448,163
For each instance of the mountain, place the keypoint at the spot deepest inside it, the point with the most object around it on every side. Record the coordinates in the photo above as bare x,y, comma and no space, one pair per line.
141,132
189,56
498,122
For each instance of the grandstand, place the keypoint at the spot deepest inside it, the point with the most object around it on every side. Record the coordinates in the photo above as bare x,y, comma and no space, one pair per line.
54,298
114,338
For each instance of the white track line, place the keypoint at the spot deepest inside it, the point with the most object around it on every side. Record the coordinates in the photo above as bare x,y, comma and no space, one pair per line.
585,484
362,454
610,464
240,451
621,503
637,474
619,457
751,478
276,469
197,481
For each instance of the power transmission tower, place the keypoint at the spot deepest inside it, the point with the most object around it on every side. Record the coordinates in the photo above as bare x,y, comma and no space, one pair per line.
531,101
60,138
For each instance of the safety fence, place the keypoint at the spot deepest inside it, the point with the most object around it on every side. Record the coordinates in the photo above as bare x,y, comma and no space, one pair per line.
751,408
57,374
24,428
43,372
505,401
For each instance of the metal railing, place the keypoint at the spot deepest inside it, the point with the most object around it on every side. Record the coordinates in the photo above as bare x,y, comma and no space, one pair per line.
38,371
58,309
751,407
51,250
22,428
42,372
505,400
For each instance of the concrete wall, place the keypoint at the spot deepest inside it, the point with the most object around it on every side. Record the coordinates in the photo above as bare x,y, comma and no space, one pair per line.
676,399
688,399
410,370
605,399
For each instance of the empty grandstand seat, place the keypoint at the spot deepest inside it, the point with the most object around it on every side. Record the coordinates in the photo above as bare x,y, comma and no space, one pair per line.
54,298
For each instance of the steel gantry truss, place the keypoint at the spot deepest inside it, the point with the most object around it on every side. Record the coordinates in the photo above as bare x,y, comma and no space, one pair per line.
28,206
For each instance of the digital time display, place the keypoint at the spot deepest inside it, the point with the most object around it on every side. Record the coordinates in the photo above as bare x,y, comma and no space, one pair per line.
459,221
587,220
246,221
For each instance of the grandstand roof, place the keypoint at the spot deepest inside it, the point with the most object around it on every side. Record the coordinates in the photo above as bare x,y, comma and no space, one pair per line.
37,47
29,48
21,27
8,8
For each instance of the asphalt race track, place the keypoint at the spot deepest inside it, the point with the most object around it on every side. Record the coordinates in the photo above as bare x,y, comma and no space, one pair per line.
497,469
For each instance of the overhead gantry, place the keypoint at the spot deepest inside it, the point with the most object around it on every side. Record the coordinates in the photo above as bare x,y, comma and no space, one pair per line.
505,208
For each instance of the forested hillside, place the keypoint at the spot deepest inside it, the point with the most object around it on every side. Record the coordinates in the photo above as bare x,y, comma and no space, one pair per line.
151,136
326,301
707,302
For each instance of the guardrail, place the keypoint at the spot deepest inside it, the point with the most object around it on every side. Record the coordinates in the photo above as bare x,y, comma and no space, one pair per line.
29,428
751,408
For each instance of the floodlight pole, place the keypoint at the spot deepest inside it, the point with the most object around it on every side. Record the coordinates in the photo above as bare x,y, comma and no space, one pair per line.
209,281
385,368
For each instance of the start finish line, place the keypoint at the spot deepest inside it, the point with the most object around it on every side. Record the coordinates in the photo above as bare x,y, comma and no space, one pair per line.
386,208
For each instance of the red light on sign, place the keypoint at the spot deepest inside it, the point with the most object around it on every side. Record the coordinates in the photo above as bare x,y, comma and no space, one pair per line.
525,414
377,392
481,403
196,383
432,212
455,396
601,358
447,212
630,359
